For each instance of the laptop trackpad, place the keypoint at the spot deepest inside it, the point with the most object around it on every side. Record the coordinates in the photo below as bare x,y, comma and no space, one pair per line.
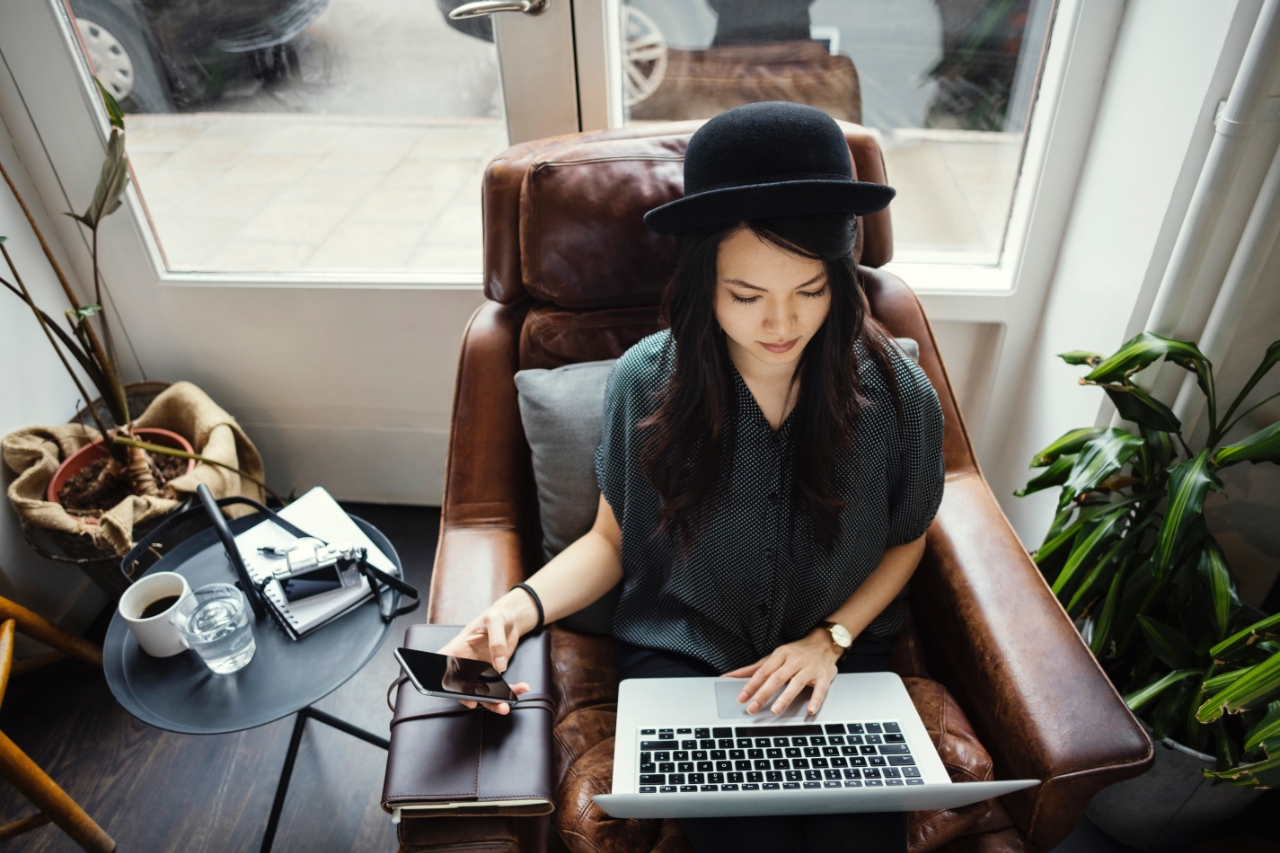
728,707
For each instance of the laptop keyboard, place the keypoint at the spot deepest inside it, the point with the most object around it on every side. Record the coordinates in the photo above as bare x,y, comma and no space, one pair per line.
775,758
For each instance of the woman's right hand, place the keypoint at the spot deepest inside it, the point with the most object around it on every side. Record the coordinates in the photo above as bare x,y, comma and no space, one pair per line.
493,635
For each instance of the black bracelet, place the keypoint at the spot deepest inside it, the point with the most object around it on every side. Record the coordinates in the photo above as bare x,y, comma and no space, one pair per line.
537,602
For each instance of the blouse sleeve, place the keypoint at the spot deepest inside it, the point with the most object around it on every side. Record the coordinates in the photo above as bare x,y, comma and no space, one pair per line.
613,455
916,491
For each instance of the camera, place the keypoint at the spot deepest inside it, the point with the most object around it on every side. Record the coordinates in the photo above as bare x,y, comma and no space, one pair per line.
311,567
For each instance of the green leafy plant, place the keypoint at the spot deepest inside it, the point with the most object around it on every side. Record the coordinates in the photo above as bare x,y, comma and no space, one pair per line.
88,346
1130,558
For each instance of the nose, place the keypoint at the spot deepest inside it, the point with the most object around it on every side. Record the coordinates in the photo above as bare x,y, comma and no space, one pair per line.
779,316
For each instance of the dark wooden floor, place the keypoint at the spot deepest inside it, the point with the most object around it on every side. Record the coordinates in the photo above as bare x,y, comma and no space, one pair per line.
156,791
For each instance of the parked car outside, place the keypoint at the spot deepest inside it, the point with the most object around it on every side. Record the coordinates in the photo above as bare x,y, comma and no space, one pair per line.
165,55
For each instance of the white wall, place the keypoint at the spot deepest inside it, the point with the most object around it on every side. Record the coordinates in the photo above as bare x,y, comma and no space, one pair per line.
34,390
1148,144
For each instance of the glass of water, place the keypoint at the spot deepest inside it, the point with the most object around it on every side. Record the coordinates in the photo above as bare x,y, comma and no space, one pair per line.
214,620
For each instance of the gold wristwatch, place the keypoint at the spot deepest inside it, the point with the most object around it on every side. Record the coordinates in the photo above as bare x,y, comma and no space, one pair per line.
840,636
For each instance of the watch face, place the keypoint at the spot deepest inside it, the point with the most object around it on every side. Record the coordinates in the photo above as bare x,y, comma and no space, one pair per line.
841,636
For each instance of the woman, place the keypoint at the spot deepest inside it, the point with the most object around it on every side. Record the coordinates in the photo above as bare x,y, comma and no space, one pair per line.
768,466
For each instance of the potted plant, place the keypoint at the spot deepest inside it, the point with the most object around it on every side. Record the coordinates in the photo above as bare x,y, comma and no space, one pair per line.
87,489
1130,558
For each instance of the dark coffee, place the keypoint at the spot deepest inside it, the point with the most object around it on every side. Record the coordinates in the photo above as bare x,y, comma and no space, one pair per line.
158,606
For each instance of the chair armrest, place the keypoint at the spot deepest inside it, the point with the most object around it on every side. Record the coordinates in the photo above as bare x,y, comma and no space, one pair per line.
1003,645
489,494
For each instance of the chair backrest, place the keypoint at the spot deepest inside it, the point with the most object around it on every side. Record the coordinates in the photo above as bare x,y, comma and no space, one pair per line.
564,230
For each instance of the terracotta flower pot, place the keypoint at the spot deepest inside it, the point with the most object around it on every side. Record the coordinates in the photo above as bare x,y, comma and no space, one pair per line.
90,452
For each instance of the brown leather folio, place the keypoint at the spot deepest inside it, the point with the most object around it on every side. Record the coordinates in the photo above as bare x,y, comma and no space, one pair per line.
446,760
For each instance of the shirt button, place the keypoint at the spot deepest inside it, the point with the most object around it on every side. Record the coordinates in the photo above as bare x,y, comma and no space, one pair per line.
763,608
770,551
773,497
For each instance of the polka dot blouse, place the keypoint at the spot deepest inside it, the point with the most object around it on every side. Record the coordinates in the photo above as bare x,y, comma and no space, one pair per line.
741,589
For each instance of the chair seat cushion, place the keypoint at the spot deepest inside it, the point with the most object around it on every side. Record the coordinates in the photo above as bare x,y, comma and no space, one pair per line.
586,685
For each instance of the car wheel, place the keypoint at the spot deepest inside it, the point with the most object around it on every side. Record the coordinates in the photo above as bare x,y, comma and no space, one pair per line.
121,60
645,55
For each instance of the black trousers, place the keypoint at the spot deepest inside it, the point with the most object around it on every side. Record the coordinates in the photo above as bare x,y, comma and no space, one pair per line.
837,833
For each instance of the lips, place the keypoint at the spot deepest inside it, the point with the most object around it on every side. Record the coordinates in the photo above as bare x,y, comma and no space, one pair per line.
779,349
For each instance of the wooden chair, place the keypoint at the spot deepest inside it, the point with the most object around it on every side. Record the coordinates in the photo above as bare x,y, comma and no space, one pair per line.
32,782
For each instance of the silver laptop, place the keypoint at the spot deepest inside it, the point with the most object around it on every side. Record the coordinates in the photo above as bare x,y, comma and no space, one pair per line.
685,747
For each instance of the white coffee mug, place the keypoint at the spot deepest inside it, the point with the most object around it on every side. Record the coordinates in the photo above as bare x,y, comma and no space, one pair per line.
157,634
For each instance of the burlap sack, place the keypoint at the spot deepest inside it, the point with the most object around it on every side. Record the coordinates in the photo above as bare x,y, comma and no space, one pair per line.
35,453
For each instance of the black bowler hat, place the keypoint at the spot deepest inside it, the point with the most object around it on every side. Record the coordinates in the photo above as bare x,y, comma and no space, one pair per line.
763,161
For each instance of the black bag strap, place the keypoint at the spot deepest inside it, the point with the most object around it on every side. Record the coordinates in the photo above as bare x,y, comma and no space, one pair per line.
378,579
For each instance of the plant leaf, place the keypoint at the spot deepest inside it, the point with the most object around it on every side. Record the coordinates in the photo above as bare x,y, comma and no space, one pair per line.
1262,446
1269,360
84,312
1092,578
1099,458
1172,710
1085,548
1173,649
1260,774
112,181
115,115
1102,628
1255,687
1138,406
1066,534
1138,698
1079,356
1189,482
1054,475
1263,629
1142,350
1212,685
1266,734
1070,442
1222,589
1159,447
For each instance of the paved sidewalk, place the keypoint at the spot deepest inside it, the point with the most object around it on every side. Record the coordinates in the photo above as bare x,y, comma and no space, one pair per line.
262,192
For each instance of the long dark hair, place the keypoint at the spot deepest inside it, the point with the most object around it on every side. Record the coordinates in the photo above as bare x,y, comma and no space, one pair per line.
690,436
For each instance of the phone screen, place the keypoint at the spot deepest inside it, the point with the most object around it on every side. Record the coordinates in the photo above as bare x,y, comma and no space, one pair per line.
462,677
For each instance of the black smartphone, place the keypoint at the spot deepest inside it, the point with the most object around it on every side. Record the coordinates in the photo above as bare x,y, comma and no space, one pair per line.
453,677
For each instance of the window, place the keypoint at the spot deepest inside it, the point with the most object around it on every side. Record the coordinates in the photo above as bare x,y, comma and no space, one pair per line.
947,84
304,135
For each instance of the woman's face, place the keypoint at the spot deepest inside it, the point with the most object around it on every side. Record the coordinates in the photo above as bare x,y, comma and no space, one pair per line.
769,302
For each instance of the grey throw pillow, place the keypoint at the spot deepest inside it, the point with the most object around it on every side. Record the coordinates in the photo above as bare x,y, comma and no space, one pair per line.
561,410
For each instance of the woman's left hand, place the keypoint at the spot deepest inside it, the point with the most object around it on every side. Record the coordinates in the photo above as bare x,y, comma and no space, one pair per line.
808,662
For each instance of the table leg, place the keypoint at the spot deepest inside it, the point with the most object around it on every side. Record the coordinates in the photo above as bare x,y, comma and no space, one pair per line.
290,757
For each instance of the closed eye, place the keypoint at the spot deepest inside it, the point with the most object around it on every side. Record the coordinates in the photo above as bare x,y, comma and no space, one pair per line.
743,300
814,294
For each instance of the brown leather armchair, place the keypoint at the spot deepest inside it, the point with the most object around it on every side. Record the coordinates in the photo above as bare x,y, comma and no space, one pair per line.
572,274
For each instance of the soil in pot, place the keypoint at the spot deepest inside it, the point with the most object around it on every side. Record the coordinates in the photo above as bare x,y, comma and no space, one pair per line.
93,490
84,480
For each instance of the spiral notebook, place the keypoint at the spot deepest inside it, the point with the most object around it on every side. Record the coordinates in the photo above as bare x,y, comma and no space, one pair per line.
318,514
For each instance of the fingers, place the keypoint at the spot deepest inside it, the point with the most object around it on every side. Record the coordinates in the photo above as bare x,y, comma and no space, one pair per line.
521,688
794,686
820,688
499,708
770,686
467,703
763,669
498,645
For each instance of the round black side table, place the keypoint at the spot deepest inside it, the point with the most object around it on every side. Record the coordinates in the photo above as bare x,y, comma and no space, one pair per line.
285,677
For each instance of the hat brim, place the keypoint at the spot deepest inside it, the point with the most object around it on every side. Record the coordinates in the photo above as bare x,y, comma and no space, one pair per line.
726,205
